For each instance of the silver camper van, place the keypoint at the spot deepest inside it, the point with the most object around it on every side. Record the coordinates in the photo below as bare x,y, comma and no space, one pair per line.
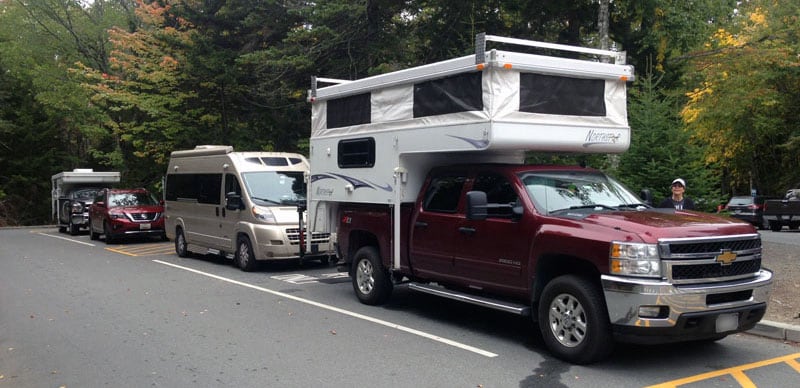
246,204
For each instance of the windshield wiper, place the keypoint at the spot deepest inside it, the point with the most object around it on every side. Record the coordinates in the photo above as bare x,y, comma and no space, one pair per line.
266,200
592,206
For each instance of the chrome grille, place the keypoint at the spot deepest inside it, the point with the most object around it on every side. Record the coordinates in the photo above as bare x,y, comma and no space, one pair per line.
293,234
694,260
144,217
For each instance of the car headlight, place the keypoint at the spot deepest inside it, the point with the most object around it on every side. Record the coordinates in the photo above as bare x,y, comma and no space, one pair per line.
115,216
77,207
635,259
264,214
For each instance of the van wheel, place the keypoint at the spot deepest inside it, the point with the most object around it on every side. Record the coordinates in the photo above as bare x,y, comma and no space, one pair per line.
181,248
244,254
574,321
371,281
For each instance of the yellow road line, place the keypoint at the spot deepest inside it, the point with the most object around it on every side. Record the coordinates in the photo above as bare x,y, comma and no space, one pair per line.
737,372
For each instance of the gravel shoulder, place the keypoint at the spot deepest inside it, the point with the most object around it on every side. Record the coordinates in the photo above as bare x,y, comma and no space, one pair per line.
784,262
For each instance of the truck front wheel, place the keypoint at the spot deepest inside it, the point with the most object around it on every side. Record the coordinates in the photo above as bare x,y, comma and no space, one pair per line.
574,321
371,281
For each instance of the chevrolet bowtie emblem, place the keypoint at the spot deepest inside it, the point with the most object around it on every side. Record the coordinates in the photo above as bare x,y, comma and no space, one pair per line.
726,257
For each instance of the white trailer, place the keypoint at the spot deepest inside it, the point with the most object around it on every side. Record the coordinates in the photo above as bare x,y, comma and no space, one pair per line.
73,192
373,140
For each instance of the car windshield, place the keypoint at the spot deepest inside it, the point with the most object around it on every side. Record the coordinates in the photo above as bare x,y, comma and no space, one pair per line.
132,199
275,187
556,191
740,201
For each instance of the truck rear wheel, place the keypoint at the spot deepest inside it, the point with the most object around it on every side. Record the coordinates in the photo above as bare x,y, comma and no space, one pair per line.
371,281
775,226
574,321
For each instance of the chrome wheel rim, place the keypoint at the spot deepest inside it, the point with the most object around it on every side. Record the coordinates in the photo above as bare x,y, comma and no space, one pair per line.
567,320
244,254
181,243
364,278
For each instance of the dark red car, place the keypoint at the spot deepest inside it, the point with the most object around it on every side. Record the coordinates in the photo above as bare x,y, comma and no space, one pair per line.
118,213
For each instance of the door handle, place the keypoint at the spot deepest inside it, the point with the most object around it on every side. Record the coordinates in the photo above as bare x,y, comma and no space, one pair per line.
216,211
465,230
420,224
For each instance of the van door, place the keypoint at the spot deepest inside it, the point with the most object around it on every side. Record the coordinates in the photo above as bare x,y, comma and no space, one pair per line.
229,218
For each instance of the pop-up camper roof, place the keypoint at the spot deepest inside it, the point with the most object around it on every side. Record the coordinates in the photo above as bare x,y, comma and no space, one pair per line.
495,100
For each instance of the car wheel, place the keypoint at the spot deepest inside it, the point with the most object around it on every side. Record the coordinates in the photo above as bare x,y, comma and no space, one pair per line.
181,247
92,234
107,232
574,321
245,259
371,281
73,229
775,226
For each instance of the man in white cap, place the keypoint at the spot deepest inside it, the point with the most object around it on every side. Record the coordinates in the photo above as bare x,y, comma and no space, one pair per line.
678,201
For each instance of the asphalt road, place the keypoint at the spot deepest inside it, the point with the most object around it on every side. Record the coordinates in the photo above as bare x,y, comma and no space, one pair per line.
78,313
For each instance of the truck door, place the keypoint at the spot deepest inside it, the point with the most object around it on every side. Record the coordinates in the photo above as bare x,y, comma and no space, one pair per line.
493,253
229,218
433,232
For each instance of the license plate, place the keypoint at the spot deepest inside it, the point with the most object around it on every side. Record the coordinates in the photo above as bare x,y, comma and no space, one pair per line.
727,322
144,226
737,211
786,217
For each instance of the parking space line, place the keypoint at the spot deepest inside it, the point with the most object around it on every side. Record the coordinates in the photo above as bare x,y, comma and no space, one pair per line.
64,238
339,310
737,372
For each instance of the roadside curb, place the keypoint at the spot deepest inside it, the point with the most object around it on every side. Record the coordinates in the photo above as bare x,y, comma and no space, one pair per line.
777,330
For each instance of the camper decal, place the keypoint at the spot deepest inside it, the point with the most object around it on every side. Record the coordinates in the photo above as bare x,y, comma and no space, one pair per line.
477,143
357,183
601,137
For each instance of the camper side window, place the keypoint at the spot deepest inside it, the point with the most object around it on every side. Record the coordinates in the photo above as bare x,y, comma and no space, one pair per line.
356,153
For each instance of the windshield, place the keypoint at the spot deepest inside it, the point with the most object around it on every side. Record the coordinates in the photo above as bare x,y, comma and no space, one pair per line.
564,190
131,199
275,187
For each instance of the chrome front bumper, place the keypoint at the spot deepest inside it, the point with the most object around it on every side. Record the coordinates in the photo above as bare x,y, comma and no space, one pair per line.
624,296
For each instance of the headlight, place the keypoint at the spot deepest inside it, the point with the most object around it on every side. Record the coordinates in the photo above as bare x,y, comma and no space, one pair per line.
115,216
77,207
264,214
631,259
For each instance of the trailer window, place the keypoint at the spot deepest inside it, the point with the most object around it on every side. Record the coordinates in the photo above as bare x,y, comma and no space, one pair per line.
458,93
556,95
350,110
356,153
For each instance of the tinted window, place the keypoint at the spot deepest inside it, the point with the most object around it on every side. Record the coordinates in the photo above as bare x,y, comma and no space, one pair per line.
203,188
356,153
459,93
557,95
500,195
443,194
347,111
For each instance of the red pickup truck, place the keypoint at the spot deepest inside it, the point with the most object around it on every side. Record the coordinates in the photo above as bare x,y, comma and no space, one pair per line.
569,246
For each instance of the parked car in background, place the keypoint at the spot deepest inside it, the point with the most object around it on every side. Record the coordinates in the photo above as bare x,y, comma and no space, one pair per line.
750,209
786,211
119,213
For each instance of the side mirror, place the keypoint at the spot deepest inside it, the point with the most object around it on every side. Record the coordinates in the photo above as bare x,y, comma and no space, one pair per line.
233,201
646,196
100,204
476,205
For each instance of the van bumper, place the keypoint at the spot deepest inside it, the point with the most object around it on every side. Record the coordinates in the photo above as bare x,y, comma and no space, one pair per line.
275,242
687,312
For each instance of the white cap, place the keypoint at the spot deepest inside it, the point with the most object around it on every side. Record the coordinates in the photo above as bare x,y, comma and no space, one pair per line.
679,180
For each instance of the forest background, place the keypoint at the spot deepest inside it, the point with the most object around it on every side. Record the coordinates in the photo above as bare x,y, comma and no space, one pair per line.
116,85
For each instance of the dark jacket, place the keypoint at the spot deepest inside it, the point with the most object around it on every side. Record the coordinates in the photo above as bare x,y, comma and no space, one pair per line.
668,203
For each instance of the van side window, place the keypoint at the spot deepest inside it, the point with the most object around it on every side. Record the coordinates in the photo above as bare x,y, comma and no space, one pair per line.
356,153
232,185
498,192
443,194
201,188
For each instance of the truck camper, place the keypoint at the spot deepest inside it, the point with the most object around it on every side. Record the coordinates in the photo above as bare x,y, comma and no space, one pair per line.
72,194
248,205
419,176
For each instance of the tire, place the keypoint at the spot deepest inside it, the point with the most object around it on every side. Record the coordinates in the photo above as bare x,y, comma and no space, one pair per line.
92,234
764,224
775,226
107,232
181,247
574,321
245,259
73,229
371,281
794,226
